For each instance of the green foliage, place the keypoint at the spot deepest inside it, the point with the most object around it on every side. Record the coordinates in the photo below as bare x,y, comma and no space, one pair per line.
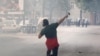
88,5
64,4
57,4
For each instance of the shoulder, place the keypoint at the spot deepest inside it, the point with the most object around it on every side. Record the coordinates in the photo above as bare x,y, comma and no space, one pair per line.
54,23
42,31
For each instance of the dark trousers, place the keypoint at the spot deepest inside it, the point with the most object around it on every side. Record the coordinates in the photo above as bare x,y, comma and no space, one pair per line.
54,52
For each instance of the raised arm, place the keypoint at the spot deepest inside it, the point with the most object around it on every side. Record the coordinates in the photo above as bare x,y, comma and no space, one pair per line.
62,19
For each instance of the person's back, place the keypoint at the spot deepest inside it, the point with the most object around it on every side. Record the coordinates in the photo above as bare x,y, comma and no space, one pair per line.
50,32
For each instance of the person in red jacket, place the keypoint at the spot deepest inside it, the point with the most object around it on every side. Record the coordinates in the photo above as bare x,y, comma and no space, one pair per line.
50,32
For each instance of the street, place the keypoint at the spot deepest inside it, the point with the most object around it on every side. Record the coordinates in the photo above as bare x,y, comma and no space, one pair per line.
74,41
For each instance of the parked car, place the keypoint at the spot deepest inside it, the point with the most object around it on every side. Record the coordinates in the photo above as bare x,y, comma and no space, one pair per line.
10,26
28,29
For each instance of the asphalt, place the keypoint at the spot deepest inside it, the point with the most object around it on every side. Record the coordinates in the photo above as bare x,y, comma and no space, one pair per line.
74,41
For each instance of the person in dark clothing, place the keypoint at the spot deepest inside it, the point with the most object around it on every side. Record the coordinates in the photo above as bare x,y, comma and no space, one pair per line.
50,32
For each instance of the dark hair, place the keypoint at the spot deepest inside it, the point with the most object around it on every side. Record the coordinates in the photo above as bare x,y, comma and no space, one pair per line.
45,22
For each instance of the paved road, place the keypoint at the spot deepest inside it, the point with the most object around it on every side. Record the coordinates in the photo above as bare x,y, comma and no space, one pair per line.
74,41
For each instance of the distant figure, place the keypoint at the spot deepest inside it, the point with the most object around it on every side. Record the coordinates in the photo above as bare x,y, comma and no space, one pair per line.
86,22
83,22
68,22
50,32
78,23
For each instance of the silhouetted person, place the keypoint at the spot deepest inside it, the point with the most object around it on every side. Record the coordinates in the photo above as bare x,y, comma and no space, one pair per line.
50,32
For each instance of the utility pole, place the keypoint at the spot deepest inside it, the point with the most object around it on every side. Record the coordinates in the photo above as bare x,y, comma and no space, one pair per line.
43,8
95,13
81,13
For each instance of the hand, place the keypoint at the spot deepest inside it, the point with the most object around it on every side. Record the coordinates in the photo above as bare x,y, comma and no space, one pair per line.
39,36
68,13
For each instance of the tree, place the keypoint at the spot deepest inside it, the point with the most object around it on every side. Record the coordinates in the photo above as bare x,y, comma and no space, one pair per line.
55,7
90,6
48,8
